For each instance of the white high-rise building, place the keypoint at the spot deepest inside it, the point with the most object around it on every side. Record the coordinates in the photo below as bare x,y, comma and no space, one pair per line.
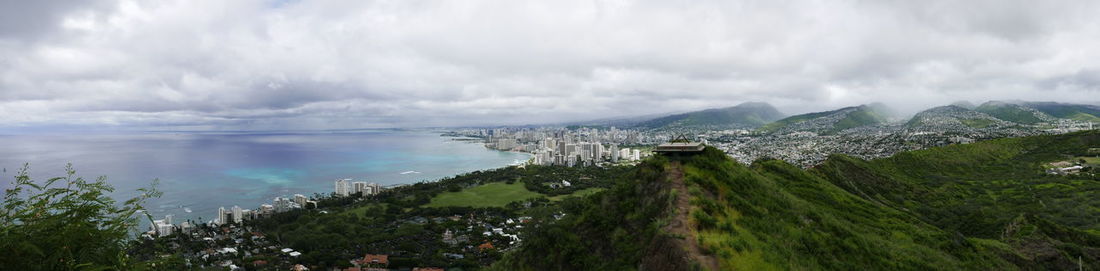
637,155
372,189
283,204
238,214
186,227
267,209
625,154
343,188
360,187
221,216
300,199
163,227
597,151
614,149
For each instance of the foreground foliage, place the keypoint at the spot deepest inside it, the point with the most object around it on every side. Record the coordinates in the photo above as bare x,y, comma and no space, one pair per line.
67,223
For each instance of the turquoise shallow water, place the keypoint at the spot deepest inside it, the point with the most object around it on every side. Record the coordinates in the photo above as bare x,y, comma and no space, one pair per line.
202,171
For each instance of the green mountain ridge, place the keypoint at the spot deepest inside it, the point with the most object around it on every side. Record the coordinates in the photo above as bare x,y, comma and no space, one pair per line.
980,206
829,122
947,117
745,115
1013,112
766,119
1079,112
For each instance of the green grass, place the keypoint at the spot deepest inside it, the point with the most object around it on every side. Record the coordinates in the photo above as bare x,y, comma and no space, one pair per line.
365,210
775,216
580,193
487,195
1089,160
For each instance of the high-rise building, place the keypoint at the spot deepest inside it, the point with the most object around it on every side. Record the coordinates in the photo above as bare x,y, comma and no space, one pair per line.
186,227
614,149
372,189
361,188
637,155
267,209
343,188
163,227
300,199
283,204
238,214
597,151
222,219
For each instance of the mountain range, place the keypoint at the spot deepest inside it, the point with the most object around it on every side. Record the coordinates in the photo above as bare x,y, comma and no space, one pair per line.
764,118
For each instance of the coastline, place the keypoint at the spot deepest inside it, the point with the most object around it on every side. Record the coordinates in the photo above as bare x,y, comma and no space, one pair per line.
481,141
313,187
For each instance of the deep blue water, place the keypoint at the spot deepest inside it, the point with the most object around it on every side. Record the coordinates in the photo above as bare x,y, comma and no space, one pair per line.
202,171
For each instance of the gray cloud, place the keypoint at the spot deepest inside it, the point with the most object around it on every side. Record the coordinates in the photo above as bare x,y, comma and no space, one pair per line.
259,64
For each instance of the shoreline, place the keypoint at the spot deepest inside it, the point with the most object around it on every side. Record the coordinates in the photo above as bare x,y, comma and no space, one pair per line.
182,215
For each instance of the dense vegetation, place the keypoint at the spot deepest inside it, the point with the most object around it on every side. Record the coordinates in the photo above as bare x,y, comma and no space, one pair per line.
406,223
774,215
610,230
991,190
987,205
67,223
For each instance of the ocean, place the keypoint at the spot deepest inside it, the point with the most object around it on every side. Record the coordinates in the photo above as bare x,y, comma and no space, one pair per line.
201,171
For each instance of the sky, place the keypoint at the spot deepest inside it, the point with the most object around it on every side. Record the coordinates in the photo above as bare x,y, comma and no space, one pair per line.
330,64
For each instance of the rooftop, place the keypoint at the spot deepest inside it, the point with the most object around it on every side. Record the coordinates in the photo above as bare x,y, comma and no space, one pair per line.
680,147
377,259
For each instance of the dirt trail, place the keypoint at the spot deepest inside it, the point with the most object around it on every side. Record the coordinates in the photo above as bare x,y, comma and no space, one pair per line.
679,225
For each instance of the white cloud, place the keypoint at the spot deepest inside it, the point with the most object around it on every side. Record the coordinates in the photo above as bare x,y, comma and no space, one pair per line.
348,64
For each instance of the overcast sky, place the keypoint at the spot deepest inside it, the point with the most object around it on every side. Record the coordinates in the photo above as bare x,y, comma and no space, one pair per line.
266,64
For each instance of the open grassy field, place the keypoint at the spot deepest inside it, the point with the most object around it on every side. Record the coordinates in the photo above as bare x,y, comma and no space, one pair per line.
1089,160
579,193
487,195
362,211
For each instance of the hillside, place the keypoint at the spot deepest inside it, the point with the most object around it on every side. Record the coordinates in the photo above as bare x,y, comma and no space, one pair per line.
829,122
982,206
954,118
995,190
745,115
1013,112
1078,112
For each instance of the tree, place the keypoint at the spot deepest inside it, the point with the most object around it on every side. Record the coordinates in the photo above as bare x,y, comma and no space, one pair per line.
67,223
